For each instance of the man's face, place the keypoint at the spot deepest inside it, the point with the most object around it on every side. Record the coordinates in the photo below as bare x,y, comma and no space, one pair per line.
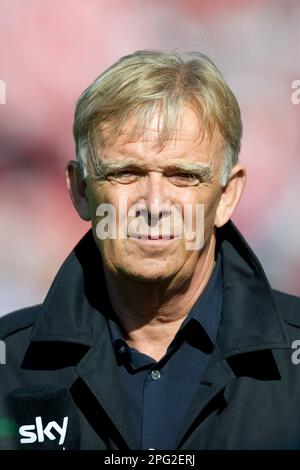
151,181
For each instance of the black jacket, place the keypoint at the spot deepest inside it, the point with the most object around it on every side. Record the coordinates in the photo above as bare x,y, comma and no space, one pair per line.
251,393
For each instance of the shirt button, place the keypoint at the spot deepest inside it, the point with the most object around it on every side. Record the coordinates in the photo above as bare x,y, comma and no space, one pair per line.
122,349
155,374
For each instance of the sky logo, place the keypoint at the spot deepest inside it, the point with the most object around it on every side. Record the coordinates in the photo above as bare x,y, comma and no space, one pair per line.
36,432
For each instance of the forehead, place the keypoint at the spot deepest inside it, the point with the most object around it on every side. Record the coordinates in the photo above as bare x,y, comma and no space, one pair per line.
189,140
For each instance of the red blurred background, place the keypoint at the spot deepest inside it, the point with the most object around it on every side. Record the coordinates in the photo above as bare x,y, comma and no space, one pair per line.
51,50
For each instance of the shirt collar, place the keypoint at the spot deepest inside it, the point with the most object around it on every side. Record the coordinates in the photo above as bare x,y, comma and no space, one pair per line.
207,309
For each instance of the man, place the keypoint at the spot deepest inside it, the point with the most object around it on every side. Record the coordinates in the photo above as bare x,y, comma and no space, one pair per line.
161,322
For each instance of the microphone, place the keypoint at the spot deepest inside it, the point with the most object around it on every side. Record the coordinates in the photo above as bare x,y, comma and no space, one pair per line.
46,418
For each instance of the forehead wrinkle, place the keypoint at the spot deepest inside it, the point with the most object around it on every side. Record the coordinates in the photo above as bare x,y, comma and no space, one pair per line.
171,163
120,162
124,155
149,140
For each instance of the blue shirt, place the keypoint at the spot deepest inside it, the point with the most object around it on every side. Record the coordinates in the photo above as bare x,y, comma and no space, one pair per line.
158,393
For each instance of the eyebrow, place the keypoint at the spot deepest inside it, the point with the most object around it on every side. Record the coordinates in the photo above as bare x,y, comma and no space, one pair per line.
204,171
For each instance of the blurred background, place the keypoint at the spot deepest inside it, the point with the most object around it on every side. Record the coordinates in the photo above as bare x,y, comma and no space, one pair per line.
51,50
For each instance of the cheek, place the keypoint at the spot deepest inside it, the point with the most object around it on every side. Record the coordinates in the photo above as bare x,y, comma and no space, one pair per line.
108,204
112,193
102,194
210,214
209,200
94,198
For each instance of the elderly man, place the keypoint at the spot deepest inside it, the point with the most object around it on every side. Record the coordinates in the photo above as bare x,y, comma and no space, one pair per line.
161,323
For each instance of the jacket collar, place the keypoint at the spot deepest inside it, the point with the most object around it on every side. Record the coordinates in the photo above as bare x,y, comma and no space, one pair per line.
76,305
251,319
75,308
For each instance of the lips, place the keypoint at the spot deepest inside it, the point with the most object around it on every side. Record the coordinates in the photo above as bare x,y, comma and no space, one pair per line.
153,237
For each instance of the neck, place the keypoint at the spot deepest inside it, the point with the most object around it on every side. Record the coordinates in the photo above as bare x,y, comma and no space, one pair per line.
151,314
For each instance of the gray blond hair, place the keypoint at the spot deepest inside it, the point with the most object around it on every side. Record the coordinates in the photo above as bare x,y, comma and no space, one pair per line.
137,85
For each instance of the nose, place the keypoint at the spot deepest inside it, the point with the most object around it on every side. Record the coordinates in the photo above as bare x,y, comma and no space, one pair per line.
155,199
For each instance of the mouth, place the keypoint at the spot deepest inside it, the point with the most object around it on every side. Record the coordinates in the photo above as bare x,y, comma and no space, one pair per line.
152,237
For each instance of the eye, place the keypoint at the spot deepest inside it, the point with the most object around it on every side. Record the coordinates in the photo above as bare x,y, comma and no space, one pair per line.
184,179
124,177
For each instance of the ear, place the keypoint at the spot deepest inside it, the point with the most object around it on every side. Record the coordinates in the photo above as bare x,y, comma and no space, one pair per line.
231,194
77,189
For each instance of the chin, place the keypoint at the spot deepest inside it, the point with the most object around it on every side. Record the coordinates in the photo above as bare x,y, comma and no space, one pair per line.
150,279
149,273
